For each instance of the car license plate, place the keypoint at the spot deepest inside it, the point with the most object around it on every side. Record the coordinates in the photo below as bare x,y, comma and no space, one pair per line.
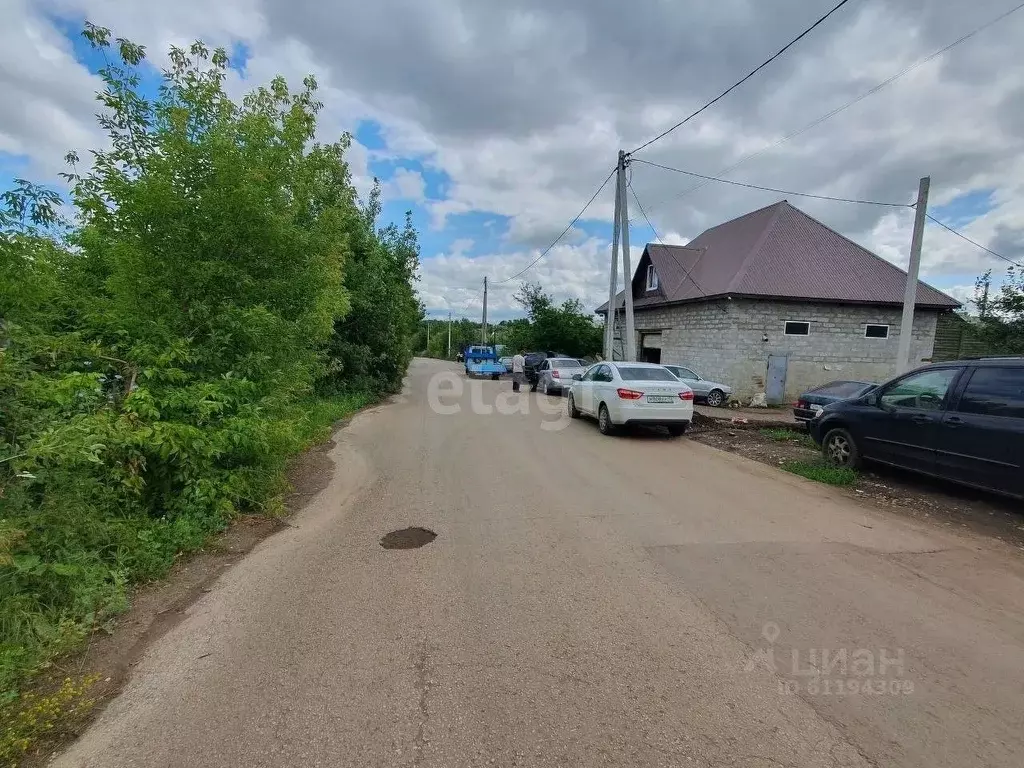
660,399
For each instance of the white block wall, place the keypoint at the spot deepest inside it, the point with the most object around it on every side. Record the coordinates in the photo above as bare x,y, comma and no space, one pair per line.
725,341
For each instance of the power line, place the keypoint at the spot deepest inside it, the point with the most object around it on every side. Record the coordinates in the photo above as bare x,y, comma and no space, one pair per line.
672,253
962,236
828,115
773,189
749,75
564,232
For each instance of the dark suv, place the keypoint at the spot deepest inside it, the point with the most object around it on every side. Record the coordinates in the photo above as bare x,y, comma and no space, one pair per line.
962,421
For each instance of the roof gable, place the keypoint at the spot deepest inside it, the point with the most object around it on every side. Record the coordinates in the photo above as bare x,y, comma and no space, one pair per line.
778,252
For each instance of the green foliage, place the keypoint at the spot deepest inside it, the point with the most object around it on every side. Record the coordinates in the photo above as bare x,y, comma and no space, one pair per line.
1000,322
371,347
567,329
220,301
821,472
40,715
784,435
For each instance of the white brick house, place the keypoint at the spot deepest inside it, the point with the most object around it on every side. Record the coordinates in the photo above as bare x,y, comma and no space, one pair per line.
775,302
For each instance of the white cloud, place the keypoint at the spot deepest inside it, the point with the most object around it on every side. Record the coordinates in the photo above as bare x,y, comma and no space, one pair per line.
406,184
525,104
48,95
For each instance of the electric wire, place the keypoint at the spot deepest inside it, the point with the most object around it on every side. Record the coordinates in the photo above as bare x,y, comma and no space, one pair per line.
746,77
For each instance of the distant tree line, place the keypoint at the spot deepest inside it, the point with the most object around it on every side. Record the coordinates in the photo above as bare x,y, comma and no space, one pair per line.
566,328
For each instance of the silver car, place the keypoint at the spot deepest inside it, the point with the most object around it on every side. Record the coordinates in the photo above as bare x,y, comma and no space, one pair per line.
555,374
711,392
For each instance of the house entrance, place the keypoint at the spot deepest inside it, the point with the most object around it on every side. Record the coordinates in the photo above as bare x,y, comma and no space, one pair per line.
650,348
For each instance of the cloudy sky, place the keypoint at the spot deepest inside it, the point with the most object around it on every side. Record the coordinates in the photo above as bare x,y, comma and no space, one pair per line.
495,122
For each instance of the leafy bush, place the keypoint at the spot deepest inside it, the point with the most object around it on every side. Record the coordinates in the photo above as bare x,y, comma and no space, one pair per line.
162,358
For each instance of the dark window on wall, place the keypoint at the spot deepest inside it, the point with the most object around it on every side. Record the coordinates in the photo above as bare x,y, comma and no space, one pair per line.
876,331
995,392
798,328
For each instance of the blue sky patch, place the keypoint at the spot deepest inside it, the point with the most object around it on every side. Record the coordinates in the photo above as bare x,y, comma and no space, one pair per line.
962,210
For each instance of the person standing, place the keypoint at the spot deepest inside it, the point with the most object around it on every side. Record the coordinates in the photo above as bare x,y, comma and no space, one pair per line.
518,370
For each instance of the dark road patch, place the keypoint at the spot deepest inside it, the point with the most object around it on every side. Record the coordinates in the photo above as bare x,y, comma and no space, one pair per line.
407,538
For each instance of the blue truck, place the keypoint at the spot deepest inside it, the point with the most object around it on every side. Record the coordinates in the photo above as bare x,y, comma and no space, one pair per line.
482,360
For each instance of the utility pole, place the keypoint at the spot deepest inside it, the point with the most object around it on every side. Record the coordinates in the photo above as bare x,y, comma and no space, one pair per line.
485,312
427,321
609,331
449,334
903,362
629,340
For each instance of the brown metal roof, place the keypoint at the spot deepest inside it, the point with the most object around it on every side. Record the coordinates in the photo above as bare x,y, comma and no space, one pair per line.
775,252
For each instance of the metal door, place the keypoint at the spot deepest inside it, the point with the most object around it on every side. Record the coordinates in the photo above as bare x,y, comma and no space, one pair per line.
775,389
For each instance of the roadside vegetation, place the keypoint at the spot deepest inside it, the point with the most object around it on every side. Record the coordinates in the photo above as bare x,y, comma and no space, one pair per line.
218,299
999,323
822,472
784,435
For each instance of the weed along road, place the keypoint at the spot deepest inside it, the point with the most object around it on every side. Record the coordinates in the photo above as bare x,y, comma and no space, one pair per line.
587,600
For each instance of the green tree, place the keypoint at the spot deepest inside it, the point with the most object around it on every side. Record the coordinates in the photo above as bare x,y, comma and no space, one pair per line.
371,347
161,359
1000,322
568,329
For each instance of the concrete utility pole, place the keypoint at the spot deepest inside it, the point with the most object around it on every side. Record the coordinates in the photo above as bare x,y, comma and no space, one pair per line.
427,321
629,336
449,333
609,329
485,312
903,362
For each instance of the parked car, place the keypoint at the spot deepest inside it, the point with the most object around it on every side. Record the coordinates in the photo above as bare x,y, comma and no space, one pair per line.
532,362
619,394
506,361
963,421
555,374
711,392
811,402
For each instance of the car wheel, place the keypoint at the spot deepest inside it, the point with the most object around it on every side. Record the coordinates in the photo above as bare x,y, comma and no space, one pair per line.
495,376
677,430
716,397
840,450
604,421
573,410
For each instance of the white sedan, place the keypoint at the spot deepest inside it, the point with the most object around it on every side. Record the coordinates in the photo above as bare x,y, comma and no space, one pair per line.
631,393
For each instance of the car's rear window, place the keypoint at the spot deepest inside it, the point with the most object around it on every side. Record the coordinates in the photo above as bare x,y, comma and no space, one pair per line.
560,362
841,388
645,374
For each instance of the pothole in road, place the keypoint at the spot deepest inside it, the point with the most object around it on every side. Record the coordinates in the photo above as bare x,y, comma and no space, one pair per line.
407,538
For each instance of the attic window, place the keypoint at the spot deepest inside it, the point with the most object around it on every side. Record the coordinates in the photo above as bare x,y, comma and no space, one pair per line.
652,278
797,328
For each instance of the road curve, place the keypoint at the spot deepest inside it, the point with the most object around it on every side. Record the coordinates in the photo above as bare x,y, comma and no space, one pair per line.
589,601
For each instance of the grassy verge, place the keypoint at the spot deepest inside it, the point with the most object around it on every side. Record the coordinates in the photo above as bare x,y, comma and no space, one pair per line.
822,472
52,598
784,435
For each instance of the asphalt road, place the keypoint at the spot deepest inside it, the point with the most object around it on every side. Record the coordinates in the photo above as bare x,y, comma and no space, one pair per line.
631,601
